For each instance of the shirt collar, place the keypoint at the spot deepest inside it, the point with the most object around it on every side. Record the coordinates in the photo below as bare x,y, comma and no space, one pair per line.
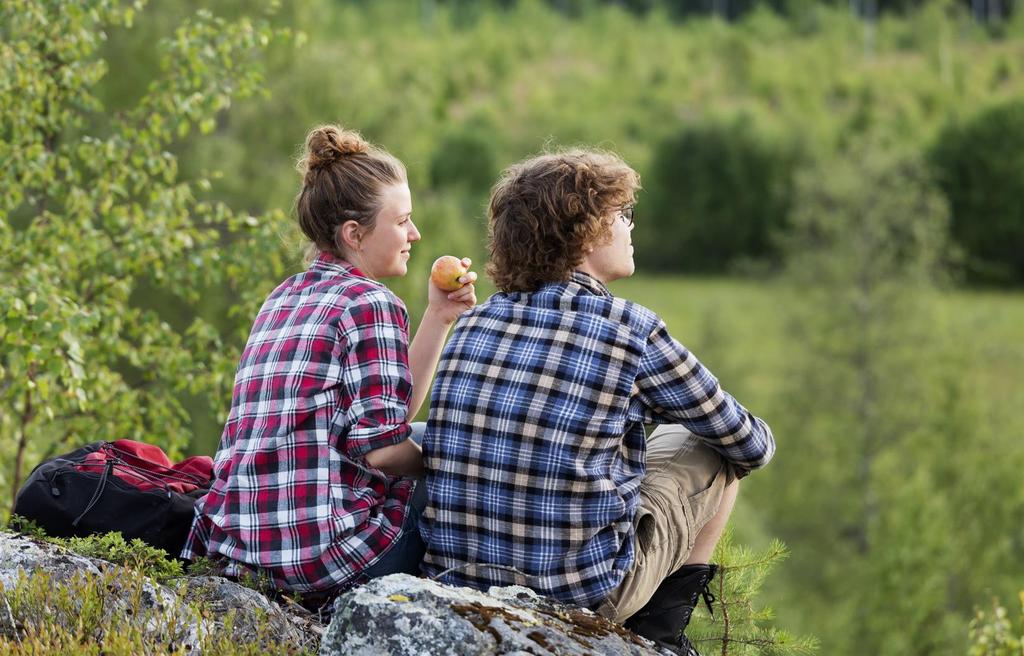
588,283
327,262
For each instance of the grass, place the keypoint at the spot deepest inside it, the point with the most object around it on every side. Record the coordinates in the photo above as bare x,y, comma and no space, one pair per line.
989,326
734,326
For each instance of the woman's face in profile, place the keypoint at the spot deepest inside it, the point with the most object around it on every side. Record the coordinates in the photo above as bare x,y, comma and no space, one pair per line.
385,250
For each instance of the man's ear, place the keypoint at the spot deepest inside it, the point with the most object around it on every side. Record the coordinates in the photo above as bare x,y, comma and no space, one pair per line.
349,235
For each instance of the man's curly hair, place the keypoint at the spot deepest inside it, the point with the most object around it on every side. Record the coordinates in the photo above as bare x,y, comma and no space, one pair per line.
546,210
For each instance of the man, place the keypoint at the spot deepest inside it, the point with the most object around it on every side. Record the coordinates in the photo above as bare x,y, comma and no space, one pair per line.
538,466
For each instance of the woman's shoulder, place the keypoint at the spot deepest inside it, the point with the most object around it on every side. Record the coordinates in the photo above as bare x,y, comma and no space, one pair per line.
372,292
338,295
367,302
349,285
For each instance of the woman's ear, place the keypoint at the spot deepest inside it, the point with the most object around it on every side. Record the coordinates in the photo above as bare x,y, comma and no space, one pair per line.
349,235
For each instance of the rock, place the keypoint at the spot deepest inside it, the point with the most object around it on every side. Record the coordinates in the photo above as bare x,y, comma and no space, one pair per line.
401,615
139,598
254,613
162,611
21,554
396,615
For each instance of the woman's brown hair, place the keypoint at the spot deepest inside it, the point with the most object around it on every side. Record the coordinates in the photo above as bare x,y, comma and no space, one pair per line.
343,177
545,211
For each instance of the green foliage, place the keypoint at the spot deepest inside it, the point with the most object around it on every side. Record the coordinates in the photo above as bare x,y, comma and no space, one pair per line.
26,527
112,547
125,297
91,208
136,554
738,627
879,415
869,225
950,513
77,617
716,193
202,566
980,165
148,561
464,158
444,85
997,635
258,581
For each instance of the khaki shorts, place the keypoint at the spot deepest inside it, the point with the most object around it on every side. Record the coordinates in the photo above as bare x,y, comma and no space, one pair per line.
680,493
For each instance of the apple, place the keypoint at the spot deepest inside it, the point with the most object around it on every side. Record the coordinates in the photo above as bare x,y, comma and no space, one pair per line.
446,271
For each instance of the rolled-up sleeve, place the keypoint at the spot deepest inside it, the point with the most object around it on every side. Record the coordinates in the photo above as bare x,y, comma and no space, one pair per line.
674,387
375,374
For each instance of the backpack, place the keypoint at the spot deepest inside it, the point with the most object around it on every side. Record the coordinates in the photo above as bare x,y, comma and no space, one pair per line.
124,485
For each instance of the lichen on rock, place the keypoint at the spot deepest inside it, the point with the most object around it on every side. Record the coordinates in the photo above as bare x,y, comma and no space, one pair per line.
401,615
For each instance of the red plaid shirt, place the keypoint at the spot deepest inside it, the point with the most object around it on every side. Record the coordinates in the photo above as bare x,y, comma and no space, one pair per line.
323,379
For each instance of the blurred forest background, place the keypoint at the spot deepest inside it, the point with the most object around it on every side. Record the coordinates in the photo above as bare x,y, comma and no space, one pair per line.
832,220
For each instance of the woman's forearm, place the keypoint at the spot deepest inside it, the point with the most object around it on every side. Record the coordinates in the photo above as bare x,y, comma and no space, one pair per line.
424,352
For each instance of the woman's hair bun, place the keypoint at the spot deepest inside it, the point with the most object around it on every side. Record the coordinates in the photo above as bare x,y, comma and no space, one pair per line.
327,144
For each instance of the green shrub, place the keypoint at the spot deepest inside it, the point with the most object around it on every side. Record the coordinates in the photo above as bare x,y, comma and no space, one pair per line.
464,158
715,193
27,527
742,625
864,255
997,635
136,554
980,166
94,214
112,547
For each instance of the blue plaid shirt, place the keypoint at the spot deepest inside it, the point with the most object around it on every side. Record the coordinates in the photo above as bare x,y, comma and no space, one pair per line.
535,445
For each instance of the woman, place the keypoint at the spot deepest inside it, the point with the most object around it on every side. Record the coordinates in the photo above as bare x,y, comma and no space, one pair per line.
316,474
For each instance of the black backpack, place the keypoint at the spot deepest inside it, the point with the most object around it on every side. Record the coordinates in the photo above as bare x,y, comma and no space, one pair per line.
79,494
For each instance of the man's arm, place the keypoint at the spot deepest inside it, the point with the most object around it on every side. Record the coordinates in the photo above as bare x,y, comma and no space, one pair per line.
402,459
674,387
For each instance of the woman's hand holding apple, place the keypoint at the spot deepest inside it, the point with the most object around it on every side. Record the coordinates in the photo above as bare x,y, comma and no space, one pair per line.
451,291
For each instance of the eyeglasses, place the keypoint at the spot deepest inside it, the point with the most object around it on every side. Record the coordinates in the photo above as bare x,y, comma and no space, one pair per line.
626,214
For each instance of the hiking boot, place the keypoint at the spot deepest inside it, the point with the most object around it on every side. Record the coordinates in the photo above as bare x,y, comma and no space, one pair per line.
667,614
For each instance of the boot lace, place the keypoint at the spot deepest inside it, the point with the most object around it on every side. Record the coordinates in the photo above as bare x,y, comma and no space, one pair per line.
709,598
